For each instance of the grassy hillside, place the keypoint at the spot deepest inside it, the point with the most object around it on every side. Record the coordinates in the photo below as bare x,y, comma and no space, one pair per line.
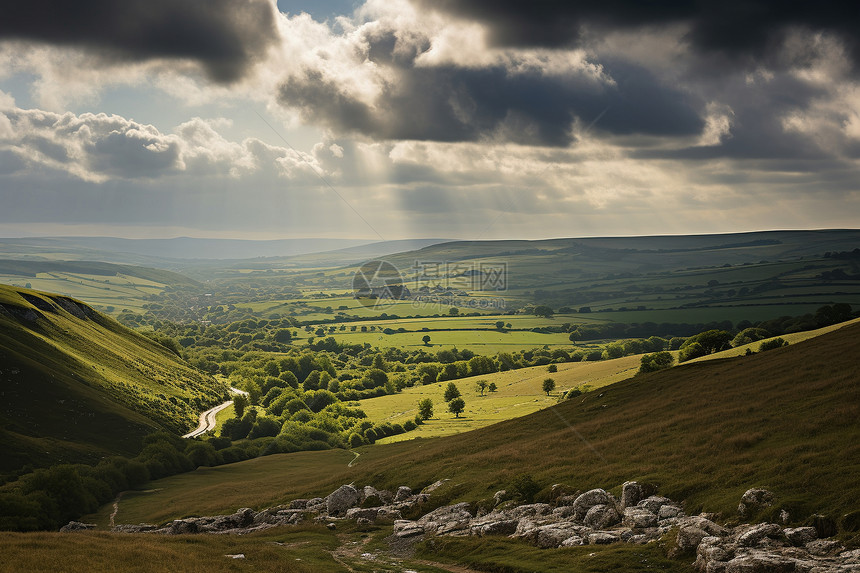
705,432
77,385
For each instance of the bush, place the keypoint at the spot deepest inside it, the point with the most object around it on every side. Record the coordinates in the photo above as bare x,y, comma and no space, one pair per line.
656,361
525,488
693,350
778,342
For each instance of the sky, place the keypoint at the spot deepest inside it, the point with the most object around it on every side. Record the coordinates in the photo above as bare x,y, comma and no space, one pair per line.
393,119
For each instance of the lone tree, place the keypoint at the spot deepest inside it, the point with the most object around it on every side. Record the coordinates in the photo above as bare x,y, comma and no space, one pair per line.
500,324
425,409
552,368
492,387
451,392
543,311
456,406
482,385
240,402
426,340
548,385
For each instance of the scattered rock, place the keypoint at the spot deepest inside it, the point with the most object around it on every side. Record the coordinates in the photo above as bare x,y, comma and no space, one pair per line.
434,486
603,538
590,518
342,499
824,547
633,492
689,537
601,517
406,528
800,535
654,503
639,517
756,533
235,556
669,511
588,500
753,501
74,526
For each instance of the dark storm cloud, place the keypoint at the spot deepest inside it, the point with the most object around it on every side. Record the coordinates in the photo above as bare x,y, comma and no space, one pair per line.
449,103
758,131
742,30
223,35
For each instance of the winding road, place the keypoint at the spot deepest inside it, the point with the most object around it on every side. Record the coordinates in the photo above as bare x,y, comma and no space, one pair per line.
207,418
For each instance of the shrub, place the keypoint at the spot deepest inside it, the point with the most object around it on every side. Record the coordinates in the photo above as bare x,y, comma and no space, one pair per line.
778,342
525,488
656,361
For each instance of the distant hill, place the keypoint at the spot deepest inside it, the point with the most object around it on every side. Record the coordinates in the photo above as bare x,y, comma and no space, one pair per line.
32,268
148,251
76,385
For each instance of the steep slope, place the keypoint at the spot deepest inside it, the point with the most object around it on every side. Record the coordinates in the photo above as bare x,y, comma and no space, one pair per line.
76,385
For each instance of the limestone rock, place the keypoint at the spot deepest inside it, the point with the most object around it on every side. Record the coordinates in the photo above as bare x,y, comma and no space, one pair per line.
654,503
603,538
406,528
588,500
494,527
800,536
342,499
73,526
689,537
639,518
529,510
601,517
633,492
756,533
403,493
823,547
753,501
669,511
761,563
553,535
434,486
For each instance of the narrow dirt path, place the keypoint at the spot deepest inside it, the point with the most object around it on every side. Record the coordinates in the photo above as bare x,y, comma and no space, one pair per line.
356,454
115,509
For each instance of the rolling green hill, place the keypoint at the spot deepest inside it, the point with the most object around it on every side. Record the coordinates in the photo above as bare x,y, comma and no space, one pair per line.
76,385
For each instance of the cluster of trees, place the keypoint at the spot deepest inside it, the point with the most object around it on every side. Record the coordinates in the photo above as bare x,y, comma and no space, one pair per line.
455,401
48,498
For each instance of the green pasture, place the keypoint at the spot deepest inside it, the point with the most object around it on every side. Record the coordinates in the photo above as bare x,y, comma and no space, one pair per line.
519,393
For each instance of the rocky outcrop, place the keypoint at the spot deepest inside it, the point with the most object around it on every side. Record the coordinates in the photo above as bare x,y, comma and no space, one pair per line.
592,518
74,526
